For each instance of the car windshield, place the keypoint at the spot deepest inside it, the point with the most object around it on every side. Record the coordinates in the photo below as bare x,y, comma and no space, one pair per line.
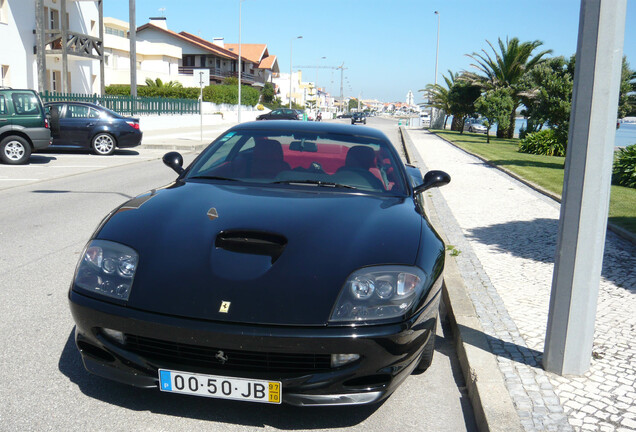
331,160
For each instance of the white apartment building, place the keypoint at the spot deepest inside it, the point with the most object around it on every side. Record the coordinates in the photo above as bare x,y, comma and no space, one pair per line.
154,59
18,59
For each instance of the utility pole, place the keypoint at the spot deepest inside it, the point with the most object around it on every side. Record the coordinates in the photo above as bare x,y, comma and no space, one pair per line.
239,66
586,188
133,47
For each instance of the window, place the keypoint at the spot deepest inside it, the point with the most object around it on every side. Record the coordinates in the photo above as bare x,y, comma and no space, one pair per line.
55,82
4,76
77,111
3,105
115,31
25,103
54,19
3,13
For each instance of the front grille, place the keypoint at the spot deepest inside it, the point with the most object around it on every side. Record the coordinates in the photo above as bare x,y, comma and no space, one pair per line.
206,357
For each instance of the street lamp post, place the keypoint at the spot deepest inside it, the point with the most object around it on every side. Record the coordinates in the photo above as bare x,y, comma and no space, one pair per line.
437,49
316,83
291,47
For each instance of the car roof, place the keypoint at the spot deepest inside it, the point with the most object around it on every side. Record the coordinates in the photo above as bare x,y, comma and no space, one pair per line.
292,125
88,104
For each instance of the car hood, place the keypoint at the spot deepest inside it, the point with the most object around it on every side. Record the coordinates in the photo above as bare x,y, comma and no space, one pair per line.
278,255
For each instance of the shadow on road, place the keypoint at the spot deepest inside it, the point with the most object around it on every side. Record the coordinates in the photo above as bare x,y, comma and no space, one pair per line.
536,240
84,151
207,409
38,159
55,191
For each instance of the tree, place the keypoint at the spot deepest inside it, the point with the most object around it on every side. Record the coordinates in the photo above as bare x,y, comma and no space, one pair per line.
505,69
438,95
268,93
548,96
625,103
353,104
462,97
160,84
495,106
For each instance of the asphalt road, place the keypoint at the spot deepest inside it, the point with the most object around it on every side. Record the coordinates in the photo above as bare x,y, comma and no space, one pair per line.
44,224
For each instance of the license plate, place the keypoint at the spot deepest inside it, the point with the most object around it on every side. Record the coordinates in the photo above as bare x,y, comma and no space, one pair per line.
220,386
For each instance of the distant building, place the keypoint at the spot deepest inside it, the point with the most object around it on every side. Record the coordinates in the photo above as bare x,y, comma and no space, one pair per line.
69,59
154,59
409,98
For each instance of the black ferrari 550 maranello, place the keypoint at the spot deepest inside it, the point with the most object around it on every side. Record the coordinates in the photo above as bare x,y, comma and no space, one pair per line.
290,262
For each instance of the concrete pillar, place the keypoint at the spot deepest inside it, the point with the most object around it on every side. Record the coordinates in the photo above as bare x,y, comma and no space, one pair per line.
586,188
102,84
133,48
65,86
40,41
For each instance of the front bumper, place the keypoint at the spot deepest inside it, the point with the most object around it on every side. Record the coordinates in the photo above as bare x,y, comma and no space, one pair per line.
388,353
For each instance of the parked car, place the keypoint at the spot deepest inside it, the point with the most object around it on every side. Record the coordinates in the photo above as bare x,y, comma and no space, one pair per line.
475,125
285,264
24,127
344,115
281,114
83,125
358,117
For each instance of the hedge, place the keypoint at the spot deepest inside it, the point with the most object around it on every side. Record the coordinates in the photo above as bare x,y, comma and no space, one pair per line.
219,94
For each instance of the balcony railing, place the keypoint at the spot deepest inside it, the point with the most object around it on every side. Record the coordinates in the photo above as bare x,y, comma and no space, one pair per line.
219,74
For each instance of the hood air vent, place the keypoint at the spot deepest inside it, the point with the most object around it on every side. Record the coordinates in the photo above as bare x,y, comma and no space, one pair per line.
252,242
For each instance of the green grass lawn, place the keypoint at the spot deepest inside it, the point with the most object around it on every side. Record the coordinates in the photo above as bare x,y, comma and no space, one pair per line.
545,171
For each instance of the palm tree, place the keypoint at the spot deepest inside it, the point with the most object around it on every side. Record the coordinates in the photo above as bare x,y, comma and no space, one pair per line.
438,95
504,69
160,84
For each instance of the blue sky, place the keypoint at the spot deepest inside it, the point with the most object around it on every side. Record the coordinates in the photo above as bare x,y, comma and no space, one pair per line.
388,46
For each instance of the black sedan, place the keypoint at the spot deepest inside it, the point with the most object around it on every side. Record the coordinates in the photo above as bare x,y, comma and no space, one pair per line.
281,114
290,262
359,117
83,125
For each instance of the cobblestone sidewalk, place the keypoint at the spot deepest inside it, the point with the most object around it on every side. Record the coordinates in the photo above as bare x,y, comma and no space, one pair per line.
506,235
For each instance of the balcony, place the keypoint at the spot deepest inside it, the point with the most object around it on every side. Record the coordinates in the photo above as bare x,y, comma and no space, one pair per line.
217,74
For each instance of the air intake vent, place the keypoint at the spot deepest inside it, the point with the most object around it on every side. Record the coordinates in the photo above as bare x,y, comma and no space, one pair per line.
252,242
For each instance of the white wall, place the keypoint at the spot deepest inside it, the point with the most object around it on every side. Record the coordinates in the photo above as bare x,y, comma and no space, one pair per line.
17,38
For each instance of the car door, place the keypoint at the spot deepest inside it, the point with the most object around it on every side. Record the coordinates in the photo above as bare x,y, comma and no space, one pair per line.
276,114
77,125
5,118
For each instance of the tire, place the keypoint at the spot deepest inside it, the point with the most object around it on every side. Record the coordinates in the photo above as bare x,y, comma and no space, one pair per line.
104,144
15,150
428,351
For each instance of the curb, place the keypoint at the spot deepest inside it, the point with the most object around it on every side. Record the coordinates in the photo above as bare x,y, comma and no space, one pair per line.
170,147
621,232
492,405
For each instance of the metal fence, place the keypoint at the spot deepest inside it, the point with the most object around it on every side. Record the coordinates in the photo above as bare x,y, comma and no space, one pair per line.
128,105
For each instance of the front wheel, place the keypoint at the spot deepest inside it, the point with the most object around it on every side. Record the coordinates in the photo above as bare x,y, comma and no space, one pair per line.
104,144
427,352
15,150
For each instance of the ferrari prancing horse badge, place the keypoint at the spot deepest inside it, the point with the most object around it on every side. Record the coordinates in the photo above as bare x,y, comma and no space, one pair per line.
225,307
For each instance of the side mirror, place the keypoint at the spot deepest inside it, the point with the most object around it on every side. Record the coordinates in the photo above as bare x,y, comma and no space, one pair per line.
174,160
432,179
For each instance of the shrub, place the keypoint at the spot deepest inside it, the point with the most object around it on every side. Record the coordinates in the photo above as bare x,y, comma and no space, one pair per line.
545,142
624,172
219,94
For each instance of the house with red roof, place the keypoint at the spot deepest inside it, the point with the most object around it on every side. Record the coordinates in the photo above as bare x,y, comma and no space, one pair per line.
221,59
196,53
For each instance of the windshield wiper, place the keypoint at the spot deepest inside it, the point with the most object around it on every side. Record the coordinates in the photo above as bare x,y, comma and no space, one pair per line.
316,183
207,177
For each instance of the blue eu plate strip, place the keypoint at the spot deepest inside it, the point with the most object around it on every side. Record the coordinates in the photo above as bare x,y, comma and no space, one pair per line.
166,382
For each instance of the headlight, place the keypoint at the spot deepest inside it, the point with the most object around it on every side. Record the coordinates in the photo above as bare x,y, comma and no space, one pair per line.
378,293
107,268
